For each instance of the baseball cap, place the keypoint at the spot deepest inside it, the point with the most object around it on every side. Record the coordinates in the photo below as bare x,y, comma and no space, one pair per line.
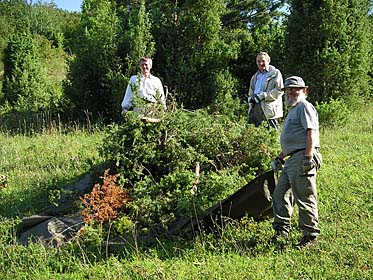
295,82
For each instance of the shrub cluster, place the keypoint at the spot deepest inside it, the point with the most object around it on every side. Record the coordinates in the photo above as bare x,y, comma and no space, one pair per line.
184,164
333,113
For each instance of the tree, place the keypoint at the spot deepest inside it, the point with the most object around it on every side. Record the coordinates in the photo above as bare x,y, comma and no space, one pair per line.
192,53
27,87
136,37
33,58
95,82
114,35
259,27
331,60
198,68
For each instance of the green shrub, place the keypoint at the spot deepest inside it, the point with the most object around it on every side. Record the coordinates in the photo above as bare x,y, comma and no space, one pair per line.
185,163
333,113
33,71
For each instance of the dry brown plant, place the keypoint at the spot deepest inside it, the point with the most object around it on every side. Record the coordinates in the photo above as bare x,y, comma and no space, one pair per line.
105,201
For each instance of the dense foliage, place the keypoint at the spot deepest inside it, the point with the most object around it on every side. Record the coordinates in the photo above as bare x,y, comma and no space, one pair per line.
203,50
185,163
33,57
26,85
94,83
334,61
200,58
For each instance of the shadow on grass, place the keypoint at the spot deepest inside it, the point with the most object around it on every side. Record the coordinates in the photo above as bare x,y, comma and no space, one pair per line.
236,237
56,198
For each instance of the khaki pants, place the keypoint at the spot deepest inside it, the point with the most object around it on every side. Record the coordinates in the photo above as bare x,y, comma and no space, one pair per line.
293,188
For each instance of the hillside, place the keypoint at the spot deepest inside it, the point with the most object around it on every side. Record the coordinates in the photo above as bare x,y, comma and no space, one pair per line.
37,166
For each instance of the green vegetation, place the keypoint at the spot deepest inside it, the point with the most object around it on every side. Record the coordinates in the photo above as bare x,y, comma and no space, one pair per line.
185,163
53,60
38,164
61,73
335,51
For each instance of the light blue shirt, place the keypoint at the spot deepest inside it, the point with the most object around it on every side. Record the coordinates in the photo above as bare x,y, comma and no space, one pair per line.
260,82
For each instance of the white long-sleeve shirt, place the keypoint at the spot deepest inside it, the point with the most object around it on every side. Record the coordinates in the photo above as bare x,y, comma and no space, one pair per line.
147,88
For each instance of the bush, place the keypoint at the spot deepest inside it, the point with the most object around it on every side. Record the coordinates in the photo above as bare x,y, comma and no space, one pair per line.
185,163
333,113
30,84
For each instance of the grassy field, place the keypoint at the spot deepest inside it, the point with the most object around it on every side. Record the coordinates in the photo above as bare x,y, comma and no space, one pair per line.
38,166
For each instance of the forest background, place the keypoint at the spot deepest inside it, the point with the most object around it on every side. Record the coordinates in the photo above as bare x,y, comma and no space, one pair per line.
63,76
204,51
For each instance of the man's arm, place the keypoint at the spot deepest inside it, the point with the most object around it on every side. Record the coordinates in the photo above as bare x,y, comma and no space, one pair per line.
252,85
127,100
276,91
162,95
310,142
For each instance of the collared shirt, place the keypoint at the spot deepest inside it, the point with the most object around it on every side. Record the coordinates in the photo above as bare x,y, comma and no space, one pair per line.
148,88
301,117
260,81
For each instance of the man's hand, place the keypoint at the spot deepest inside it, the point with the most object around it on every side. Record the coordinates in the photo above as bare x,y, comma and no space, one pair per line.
252,101
308,164
256,98
259,97
277,164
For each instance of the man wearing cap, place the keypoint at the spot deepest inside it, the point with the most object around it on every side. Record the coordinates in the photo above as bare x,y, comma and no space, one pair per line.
265,93
146,87
297,183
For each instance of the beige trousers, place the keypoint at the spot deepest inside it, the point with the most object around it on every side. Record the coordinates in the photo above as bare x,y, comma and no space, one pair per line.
294,188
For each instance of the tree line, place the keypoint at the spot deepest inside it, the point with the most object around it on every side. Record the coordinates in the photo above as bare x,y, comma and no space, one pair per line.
203,50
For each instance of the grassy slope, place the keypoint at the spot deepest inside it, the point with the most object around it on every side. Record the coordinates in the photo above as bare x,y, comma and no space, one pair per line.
38,166
345,249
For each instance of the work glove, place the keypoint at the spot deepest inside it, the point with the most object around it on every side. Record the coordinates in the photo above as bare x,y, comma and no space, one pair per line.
252,101
255,99
259,97
277,164
308,163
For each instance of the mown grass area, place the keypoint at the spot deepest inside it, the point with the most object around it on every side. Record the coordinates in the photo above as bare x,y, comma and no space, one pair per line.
37,165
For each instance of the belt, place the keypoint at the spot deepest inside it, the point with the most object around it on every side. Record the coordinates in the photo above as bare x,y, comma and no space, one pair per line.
317,149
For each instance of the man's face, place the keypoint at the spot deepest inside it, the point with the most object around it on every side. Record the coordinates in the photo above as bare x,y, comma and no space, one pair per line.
145,67
262,62
294,95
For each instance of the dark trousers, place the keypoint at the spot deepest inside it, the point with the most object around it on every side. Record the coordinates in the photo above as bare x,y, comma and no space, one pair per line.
256,117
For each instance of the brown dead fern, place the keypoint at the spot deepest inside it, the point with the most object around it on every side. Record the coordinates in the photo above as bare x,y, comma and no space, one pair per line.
105,201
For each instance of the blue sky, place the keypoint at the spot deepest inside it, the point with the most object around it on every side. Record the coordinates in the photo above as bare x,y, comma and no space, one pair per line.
70,5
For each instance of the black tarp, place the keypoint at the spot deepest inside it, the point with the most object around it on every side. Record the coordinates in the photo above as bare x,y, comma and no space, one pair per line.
253,200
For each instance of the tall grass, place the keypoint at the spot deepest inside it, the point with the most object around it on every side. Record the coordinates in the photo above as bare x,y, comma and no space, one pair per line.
38,164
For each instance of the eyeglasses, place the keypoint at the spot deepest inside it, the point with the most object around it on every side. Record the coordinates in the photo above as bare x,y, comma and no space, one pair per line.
292,90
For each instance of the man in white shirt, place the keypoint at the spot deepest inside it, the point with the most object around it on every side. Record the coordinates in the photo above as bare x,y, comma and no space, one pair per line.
147,88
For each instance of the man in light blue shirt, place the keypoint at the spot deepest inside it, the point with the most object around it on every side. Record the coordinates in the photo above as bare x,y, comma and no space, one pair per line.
265,93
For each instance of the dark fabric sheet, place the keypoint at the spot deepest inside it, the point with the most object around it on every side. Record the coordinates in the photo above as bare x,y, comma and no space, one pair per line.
253,200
